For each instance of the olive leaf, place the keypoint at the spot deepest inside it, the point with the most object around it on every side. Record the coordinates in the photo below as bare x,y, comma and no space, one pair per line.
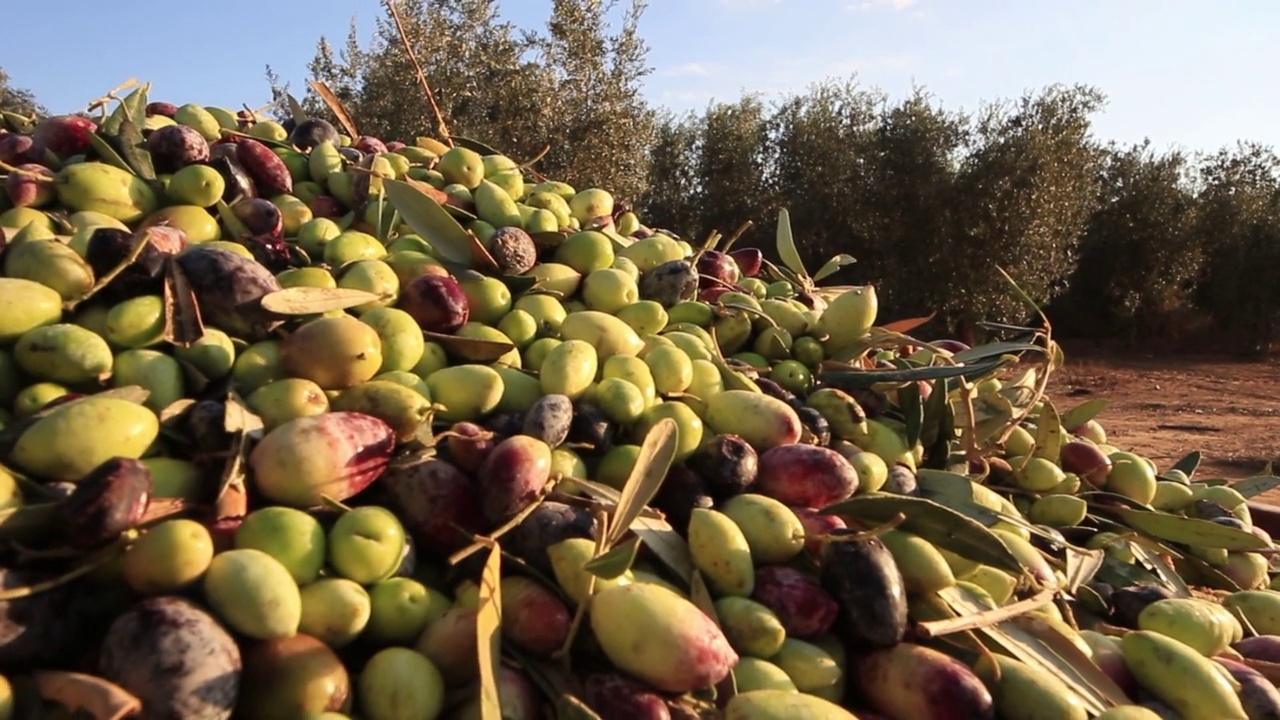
787,246
995,350
1152,556
234,225
132,148
908,324
471,349
1198,572
1189,463
1187,531
183,324
1041,645
657,452
488,633
1254,486
700,595
81,693
108,154
1082,566
912,411
656,532
315,300
1049,435
473,145
938,428
863,379
132,107
336,107
615,562
833,266
295,109
430,221
1084,412
935,523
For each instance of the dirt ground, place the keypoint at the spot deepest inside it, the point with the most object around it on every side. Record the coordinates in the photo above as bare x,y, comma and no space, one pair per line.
1165,406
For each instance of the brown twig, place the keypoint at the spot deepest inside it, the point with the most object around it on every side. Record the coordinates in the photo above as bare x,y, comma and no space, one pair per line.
441,126
938,628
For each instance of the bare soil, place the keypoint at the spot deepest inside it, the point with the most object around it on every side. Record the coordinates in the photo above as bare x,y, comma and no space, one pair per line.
1165,406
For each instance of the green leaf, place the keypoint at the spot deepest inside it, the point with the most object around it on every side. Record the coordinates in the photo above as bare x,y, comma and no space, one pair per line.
938,429
549,239
656,533
519,284
1188,531
127,109
1189,463
489,634
471,349
908,324
1151,555
108,154
1254,486
936,523
615,562
862,379
912,411
1040,645
474,145
135,105
231,221
131,147
430,221
833,266
787,245
1082,566
1084,412
700,595
1049,435
1118,573
295,109
1199,572
657,452
995,350
315,300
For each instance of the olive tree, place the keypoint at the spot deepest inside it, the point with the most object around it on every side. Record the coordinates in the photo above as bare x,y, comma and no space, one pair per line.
819,172
1139,256
1239,229
912,162
671,194
18,100
1023,196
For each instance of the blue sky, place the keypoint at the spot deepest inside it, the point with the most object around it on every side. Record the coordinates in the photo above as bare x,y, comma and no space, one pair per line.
1191,74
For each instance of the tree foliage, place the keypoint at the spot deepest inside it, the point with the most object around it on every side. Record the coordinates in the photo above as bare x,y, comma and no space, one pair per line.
18,100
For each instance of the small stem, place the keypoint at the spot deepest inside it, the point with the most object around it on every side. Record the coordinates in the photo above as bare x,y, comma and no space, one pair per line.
441,127
115,271
742,230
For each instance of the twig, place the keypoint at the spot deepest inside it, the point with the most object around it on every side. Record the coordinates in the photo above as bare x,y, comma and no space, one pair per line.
938,628
741,231
441,126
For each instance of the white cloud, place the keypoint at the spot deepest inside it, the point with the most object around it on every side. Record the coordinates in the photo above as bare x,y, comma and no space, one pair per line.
747,4
689,69
870,5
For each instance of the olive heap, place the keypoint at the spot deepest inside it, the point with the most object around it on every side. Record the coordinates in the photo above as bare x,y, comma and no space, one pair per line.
300,425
